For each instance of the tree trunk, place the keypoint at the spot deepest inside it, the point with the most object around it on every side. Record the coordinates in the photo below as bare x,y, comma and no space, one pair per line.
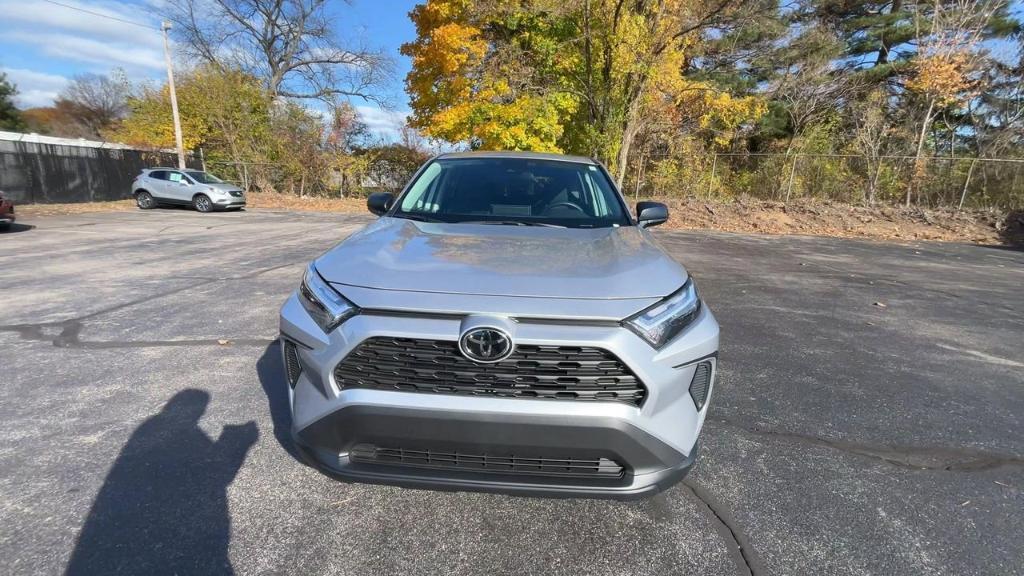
628,134
873,181
967,182
920,150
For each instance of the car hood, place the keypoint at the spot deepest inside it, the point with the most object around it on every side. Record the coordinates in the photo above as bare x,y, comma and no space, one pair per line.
528,261
225,187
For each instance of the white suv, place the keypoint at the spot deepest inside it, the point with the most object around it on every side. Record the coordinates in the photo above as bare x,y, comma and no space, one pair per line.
201,190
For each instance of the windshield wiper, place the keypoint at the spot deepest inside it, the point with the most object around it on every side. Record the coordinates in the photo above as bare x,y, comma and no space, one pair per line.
511,223
417,218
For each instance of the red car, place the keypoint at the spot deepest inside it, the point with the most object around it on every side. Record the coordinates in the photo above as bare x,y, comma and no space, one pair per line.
6,212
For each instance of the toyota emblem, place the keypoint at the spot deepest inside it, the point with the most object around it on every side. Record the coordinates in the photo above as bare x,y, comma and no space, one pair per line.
486,345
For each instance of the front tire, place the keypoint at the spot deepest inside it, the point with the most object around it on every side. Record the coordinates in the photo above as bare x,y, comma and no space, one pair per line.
145,201
202,203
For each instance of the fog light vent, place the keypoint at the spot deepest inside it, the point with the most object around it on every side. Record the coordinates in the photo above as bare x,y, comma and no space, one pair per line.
700,384
291,363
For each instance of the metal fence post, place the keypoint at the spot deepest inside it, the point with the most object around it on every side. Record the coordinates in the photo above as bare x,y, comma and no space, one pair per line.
792,173
711,179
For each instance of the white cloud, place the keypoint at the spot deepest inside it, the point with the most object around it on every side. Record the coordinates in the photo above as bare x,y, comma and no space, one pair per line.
35,88
46,32
36,15
107,55
383,123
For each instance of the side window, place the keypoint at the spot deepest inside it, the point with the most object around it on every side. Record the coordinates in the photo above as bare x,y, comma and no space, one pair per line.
417,199
158,175
175,177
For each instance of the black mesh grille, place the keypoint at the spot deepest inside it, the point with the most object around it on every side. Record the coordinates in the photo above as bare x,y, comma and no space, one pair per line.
437,366
700,384
560,467
291,363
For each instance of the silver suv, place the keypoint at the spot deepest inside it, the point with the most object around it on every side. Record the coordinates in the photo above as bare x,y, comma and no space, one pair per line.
201,190
504,325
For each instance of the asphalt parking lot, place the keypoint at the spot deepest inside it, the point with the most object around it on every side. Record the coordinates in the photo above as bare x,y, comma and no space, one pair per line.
143,423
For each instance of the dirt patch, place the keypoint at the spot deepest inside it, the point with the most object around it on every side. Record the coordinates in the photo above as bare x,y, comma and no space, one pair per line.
253,200
77,208
308,203
827,219
745,215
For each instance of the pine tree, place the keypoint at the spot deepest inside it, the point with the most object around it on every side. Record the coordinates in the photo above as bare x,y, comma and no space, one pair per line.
10,117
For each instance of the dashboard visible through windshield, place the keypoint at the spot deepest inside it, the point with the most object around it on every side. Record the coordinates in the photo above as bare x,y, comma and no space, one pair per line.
514,191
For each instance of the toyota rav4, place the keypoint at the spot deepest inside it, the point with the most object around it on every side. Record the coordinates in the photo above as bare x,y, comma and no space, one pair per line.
506,325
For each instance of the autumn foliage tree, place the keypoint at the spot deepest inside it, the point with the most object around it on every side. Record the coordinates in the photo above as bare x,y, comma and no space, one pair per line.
581,76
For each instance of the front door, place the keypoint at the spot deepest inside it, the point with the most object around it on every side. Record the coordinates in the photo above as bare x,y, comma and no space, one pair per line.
178,186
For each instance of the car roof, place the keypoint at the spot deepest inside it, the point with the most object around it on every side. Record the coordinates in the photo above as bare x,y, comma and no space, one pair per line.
169,168
526,155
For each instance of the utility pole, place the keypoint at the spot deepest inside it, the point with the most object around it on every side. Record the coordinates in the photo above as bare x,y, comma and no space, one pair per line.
164,27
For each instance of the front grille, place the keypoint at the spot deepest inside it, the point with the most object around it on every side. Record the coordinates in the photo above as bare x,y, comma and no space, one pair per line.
602,468
437,366
236,193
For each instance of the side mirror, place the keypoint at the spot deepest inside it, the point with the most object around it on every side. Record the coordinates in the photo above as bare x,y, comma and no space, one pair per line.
651,214
379,202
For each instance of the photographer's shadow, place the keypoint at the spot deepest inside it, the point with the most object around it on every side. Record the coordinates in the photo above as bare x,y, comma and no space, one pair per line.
270,370
163,507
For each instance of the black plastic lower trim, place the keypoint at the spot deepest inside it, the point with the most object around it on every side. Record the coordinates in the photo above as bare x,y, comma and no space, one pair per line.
651,465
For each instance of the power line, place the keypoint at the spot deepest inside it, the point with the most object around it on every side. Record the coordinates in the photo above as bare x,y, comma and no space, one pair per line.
101,15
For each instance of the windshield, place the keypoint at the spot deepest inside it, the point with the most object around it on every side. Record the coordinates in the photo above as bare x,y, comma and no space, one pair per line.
515,191
203,177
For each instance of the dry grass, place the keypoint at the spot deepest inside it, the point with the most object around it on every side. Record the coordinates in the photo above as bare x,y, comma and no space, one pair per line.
842,220
77,208
307,203
745,215
253,200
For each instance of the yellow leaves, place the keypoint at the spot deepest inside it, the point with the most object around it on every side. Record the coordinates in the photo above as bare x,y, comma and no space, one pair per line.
684,102
456,98
946,78
212,102
525,123
511,74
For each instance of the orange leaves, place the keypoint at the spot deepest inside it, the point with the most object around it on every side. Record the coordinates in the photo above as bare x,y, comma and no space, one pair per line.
946,78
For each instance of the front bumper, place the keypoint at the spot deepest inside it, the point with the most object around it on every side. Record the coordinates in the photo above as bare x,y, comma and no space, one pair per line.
655,443
230,202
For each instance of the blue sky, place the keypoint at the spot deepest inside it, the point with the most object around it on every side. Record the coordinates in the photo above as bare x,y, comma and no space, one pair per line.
42,45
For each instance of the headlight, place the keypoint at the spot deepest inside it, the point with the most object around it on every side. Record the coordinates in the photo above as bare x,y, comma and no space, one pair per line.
661,322
327,308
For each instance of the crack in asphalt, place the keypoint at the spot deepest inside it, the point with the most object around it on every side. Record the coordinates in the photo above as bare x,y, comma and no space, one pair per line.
909,457
65,333
740,549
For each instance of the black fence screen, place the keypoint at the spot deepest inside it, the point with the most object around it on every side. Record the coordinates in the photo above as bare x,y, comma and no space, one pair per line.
32,172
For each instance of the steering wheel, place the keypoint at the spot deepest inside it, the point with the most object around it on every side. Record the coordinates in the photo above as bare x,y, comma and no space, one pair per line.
564,205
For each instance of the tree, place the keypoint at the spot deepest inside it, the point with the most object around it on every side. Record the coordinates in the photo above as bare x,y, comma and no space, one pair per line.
390,166
871,137
290,45
944,72
91,106
478,76
228,113
10,118
583,76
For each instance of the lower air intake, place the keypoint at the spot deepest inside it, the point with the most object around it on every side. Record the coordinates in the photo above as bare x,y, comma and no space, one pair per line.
601,468
701,384
291,363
